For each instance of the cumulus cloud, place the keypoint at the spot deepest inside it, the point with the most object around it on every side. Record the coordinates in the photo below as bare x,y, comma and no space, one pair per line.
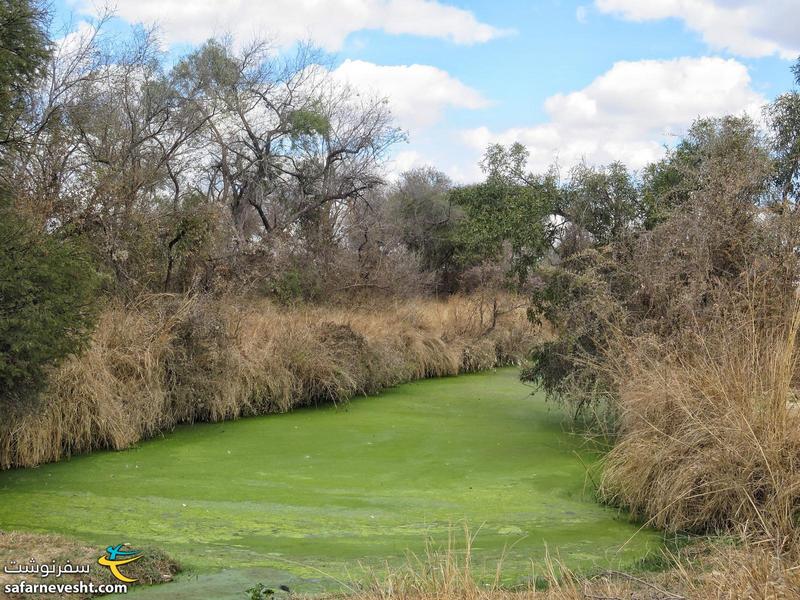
630,112
72,41
417,94
747,27
326,23
403,161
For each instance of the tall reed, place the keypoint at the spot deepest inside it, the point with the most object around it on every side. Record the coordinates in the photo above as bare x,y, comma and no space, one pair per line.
709,436
172,359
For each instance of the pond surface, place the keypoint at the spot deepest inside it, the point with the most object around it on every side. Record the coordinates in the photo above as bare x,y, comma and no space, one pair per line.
304,498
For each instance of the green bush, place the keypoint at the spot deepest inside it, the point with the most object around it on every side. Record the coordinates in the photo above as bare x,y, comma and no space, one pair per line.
48,291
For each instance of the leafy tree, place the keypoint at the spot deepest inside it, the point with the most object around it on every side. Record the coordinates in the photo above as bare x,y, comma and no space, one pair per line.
664,185
47,304
420,207
507,164
24,49
602,202
502,213
712,148
784,119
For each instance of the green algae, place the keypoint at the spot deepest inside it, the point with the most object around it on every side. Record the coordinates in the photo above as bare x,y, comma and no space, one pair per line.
311,497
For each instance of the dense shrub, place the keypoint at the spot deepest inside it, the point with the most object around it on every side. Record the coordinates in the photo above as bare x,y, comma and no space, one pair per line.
178,359
587,297
676,276
685,327
710,428
47,304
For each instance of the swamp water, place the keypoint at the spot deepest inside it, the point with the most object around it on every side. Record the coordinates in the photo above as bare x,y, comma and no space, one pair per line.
312,498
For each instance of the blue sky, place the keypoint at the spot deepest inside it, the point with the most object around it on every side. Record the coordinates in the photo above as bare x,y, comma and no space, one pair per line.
594,80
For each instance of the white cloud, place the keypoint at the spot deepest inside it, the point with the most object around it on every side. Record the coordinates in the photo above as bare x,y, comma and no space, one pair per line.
327,23
73,41
417,94
403,161
582,14
747,27
630,112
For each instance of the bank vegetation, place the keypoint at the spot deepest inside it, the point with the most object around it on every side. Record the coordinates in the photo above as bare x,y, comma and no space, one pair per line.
174,359
219,237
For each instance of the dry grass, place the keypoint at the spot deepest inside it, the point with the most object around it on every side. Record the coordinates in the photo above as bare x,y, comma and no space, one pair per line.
172,359
710,433
154,566
703,571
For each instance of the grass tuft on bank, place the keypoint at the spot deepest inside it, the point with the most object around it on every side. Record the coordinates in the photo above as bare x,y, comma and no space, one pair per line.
171,359
707,569
154,567
709,435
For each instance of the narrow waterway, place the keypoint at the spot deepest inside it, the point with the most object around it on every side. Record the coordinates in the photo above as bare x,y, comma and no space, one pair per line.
303,498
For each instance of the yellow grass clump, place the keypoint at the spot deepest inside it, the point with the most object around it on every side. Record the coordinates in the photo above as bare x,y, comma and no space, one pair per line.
710,432
701,571
170,359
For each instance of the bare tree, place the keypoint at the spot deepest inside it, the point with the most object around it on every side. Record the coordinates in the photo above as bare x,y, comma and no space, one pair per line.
145,162
285,144
102,149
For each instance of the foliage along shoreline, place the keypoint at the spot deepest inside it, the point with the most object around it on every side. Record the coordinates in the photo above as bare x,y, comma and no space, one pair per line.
178,359
671,292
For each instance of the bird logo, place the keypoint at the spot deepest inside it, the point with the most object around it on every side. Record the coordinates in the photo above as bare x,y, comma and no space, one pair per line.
115,557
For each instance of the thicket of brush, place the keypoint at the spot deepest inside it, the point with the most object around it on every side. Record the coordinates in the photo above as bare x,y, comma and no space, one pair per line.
678,334
683,337
709,430
177,359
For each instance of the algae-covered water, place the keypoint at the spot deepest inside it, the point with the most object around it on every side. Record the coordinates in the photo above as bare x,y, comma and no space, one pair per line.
304,498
